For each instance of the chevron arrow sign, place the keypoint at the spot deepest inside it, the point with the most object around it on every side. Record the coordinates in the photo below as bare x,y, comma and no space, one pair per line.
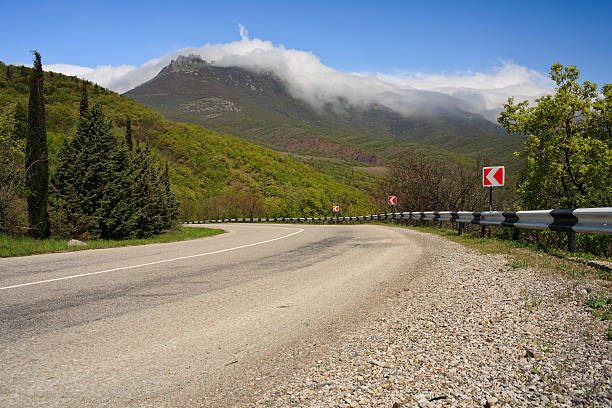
493,176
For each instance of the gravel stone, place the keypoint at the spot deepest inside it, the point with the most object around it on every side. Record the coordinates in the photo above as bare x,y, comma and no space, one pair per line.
465,330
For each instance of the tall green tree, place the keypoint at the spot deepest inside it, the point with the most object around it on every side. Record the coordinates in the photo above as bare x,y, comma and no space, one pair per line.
86,167
37,156
170,204
568,146
146,195
115,215
12,169
84,105
20,115
128,134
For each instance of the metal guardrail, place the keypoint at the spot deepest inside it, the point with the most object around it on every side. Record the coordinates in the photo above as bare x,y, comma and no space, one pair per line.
583,220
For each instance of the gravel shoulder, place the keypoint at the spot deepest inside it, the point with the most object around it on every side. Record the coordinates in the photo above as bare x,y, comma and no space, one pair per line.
465,330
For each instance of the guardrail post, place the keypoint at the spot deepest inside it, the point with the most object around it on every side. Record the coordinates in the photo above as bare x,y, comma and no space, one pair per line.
460,228
482,231
571,241
515,234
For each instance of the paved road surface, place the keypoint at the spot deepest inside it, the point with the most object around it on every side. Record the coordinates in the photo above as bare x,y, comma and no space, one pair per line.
182,323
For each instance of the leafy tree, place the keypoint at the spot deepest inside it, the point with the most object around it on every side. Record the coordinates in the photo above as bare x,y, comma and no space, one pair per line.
21,122
422,184
37,162
568,152
12,166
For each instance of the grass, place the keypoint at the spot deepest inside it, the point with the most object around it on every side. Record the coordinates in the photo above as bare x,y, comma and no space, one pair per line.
521,255
11,245
600,305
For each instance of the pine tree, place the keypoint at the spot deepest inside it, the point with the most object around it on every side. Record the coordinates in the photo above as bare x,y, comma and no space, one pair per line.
114,217
66,215
128,134
9,74
147,199
86,168
37,162
84,106
102,189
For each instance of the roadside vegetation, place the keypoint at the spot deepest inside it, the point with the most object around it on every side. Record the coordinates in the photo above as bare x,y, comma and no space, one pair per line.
523,254
566,163
20,245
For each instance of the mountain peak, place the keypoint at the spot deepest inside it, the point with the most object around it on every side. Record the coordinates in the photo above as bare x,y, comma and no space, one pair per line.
185,63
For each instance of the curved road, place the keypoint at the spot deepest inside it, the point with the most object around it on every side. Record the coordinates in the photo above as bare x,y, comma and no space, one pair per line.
183,323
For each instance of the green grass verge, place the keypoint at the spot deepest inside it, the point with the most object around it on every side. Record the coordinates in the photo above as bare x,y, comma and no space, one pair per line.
11,245
522,255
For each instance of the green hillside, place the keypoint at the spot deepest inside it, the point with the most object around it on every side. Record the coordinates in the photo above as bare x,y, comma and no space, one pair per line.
213,175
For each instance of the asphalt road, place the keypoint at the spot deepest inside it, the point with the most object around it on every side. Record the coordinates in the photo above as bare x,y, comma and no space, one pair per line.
185,323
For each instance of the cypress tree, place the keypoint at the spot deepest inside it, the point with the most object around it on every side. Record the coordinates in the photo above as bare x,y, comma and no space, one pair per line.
84,106
37,162
9,74
128,134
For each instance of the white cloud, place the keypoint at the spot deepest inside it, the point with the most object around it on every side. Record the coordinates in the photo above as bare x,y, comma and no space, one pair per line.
308,79
478,92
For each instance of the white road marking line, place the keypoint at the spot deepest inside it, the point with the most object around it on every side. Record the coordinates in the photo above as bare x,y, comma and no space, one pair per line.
150,263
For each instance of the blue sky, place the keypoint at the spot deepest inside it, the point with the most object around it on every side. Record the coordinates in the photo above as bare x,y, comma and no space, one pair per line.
355,36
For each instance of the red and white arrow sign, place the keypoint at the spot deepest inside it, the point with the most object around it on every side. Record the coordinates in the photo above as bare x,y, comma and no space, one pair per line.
336,208
392,200
493,176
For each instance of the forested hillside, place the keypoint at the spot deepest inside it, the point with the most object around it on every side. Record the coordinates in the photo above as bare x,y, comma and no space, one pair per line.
211,174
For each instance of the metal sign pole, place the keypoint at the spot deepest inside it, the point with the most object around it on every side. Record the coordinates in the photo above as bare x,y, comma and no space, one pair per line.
490,206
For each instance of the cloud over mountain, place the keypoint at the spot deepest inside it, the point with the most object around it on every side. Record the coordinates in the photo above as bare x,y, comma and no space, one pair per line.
310,80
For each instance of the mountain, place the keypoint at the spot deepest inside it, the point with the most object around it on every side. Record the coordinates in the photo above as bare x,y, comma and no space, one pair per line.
258,107
213,175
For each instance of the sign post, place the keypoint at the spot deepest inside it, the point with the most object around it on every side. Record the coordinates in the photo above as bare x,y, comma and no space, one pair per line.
335,210
392,201
492,177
